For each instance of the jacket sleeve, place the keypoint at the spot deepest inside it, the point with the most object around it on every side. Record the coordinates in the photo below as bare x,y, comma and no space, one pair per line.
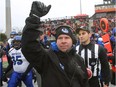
31,47
86,83
85,74
105,70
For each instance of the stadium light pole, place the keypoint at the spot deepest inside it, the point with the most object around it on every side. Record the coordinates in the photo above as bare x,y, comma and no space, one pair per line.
80,7
8,18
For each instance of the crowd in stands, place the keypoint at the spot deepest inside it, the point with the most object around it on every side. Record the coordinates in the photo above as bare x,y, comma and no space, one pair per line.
50,25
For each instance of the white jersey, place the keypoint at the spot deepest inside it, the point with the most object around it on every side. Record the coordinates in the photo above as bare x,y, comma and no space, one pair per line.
10,42
20,64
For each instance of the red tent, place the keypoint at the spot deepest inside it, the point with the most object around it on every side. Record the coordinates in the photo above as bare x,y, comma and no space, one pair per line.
81,16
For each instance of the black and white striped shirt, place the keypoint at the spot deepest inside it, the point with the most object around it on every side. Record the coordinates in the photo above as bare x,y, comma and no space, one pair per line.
95,57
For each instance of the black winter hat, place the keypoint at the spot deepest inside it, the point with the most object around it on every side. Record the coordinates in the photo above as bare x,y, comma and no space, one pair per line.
64,29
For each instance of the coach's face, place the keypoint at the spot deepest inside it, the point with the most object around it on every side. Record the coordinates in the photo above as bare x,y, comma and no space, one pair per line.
64,42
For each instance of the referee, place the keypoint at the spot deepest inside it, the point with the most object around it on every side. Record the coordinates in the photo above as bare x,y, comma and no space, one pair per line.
95,58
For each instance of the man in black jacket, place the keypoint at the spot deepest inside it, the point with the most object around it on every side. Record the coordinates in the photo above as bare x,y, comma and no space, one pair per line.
95,58
60,67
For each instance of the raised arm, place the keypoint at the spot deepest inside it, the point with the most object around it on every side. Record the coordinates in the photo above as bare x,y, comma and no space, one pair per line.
31,47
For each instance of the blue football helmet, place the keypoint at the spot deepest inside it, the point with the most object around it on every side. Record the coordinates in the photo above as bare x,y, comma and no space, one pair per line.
17,42
12,34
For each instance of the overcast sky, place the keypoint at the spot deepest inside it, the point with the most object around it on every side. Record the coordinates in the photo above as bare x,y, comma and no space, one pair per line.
60,8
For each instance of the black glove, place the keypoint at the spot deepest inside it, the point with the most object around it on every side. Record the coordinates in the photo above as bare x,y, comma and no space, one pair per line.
38,9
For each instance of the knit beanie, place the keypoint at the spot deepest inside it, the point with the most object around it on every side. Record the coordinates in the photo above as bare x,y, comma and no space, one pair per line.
67,30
